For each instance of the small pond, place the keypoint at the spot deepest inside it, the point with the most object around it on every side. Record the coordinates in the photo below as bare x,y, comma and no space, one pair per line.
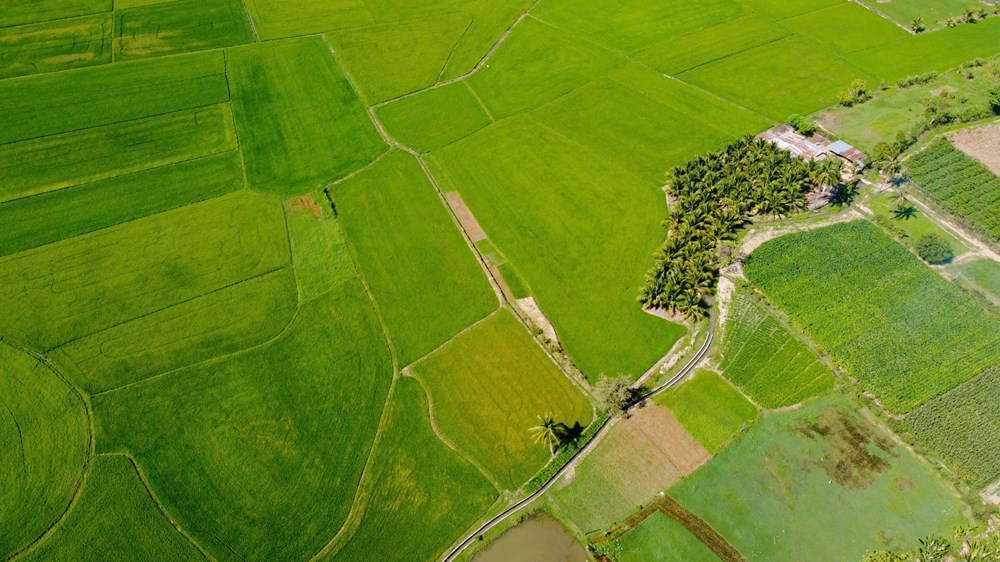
539,539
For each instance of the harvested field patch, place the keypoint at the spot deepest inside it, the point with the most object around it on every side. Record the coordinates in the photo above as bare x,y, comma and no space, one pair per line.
636,459
464,215
851,457
488,386
320,256
981,143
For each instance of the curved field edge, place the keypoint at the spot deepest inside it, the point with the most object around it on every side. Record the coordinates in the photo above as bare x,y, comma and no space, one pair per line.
46,437
254,434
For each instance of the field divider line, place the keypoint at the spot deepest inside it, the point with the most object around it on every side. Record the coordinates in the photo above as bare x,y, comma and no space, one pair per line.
454,48
236,127
253,26
91,444
608,423
482,62
723,57
159,505
885,17
717,96
446,342
437,431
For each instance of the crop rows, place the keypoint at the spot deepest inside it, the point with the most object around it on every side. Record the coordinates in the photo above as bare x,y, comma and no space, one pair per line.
963,186
765,360
963,427
906,333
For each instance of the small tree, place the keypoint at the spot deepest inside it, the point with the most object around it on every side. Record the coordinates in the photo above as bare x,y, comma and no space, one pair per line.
934,250
994,96
801,124
548,431
613,393
917,25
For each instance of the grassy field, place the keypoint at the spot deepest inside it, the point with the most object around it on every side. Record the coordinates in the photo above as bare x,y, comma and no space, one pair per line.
320,256
425,279
932,12
903,331
421,494
57,293
179,26
912,227
711,410
901,110
661,538
960,184
35,221
636,460
785,487
962,426
845,28
45,437
435,118
240,450
674,55
488,386
115,520
298,131
764,359
56,45
44,10
539,186
983,275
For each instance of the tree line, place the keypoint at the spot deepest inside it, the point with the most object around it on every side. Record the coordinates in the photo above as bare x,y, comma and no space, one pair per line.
713,196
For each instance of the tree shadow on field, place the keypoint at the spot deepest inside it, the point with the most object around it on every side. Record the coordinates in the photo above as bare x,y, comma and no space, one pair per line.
569,435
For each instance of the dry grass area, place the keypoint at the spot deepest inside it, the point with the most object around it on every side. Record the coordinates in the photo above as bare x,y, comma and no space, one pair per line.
638,458
980,143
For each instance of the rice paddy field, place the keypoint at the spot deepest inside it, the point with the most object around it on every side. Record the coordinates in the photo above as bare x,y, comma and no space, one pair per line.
241,317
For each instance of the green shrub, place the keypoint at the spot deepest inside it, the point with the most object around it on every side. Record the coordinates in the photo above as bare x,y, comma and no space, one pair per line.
934,249
801,124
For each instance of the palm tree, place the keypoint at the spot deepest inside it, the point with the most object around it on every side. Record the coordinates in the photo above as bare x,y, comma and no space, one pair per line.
969,16
917,25
547,431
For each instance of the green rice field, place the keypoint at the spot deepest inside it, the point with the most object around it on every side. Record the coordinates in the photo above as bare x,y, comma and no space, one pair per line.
249,302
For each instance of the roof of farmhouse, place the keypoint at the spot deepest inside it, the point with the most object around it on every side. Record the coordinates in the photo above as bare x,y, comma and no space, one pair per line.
814,147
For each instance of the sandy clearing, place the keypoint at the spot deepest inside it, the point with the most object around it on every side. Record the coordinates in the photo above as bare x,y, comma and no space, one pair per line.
981,144
465,217
538,318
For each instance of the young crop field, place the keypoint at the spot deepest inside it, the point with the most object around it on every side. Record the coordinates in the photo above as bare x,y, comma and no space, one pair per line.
961,185
424,277
902,330
56,45
963,426
767,361
661,538
179,26
436,117
820,479
488,387
710,409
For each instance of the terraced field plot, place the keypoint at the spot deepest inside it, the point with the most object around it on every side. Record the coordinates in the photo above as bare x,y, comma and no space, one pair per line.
858,294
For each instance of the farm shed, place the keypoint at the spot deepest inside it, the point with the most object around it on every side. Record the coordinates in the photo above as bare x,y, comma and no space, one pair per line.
785,137
847,152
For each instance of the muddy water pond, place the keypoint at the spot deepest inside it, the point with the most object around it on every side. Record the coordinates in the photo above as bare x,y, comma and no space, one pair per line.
539,539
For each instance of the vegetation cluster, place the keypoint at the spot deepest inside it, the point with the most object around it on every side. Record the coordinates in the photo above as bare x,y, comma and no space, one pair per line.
961,185
712,197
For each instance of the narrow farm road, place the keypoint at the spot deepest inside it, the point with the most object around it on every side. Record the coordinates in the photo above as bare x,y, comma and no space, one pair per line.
455,552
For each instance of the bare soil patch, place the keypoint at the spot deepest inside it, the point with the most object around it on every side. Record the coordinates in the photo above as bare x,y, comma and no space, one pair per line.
465,218
306,203
538,318
980,143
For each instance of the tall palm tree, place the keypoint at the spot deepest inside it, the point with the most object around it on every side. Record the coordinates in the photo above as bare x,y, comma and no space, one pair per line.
547,431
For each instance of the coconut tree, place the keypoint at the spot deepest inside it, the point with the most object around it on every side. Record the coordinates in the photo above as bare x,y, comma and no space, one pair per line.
547,431
917,25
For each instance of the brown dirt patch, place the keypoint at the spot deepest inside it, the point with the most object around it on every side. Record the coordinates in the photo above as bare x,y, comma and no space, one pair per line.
980,143
850,457
306,203
465,218
904,484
